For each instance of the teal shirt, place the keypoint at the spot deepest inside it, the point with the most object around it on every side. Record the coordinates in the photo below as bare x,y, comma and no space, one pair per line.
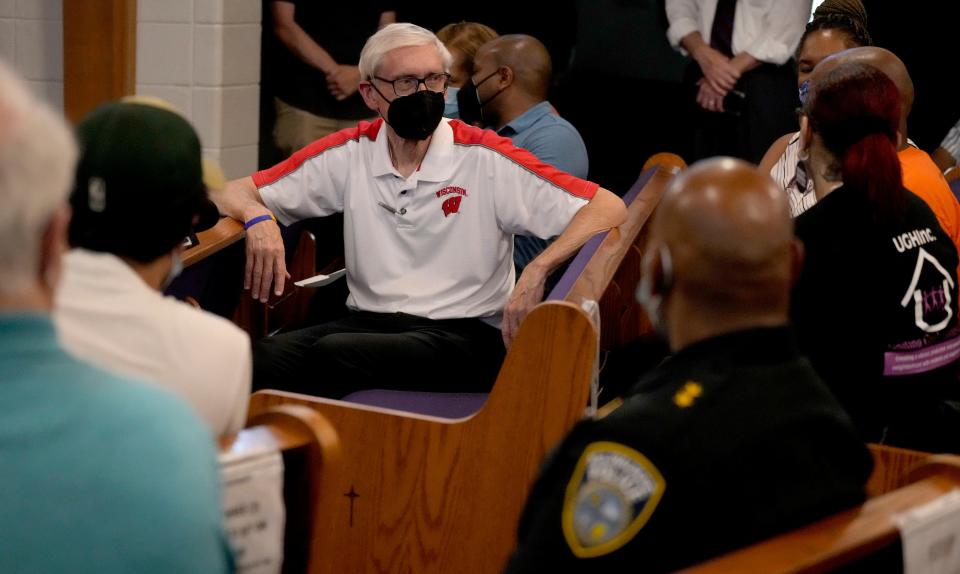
99,473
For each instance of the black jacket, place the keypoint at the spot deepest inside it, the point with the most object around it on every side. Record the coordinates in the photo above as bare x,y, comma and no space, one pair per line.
730,441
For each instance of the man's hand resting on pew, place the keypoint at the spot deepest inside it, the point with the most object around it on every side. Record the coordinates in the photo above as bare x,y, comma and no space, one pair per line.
604,211
266,263
525,296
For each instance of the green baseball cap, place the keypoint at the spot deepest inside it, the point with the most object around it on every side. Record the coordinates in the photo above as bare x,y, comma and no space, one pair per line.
139,187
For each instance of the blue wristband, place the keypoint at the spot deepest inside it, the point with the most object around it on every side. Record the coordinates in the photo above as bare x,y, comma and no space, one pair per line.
258,219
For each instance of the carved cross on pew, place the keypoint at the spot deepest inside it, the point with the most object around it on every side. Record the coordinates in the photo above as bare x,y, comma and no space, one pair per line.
352,495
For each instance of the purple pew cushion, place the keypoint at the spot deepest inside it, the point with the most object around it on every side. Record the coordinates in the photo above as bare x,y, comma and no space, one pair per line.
446,405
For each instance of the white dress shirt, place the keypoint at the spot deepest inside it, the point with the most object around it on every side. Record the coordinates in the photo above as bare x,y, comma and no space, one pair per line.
768,30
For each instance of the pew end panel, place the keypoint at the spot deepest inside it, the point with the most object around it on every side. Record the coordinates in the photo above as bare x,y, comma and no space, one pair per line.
891,466
310,447
423,494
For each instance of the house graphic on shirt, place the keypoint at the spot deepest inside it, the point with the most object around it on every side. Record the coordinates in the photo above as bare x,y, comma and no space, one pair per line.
932,298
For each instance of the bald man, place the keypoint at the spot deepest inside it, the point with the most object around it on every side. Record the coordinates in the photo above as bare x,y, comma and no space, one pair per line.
508,93
732,439
920,174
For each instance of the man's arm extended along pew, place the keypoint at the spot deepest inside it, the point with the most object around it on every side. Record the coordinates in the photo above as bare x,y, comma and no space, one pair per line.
607,268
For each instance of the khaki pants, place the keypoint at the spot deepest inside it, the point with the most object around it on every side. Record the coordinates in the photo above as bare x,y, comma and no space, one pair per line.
295,128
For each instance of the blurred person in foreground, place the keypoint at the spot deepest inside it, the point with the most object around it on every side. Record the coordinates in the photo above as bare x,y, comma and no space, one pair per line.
100,473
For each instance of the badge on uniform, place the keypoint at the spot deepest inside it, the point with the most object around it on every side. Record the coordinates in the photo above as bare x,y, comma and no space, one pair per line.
611,495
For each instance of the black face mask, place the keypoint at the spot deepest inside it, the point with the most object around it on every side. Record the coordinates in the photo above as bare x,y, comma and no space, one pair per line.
414,117
469,105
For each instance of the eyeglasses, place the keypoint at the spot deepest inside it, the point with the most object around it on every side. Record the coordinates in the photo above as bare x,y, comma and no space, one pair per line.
406,85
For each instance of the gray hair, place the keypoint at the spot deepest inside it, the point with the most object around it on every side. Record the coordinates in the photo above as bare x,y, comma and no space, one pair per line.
399,35
37,159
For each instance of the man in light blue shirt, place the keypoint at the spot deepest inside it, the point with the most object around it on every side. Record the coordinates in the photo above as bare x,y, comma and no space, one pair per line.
511,79
551,138
97,473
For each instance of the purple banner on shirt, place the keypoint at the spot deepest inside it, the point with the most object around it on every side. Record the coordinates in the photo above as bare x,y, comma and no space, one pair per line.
897,363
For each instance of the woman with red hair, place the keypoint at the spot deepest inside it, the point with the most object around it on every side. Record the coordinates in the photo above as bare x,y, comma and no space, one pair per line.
875,306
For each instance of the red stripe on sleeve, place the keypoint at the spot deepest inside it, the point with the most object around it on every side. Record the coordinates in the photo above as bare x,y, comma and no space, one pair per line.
270,175
468,135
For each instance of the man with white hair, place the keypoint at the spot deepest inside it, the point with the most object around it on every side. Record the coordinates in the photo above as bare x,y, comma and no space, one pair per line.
100,474
430,208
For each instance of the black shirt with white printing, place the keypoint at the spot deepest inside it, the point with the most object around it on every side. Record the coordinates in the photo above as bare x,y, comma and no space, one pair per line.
875,310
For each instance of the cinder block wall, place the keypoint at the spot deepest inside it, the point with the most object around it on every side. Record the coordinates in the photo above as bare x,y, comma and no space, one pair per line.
31,40
201,55
204,57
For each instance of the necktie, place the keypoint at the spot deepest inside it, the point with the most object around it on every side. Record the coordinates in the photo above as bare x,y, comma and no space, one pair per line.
721,35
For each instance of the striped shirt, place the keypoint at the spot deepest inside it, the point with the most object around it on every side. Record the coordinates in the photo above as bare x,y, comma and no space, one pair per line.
790,174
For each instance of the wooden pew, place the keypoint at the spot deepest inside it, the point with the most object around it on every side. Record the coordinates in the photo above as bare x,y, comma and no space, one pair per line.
668,161
213,278
849,538
607,268
425,494
222,235
308,443
891,465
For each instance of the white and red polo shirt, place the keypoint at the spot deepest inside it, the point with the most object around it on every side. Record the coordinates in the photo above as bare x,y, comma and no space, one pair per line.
438,244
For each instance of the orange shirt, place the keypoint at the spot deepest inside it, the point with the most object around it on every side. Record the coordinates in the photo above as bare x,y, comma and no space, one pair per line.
923,177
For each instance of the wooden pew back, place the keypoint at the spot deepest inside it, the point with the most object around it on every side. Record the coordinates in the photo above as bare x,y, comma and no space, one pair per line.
607,269
308,443
891,466
424,494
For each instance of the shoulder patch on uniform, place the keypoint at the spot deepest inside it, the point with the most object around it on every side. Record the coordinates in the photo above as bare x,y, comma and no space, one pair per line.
687,394
611,495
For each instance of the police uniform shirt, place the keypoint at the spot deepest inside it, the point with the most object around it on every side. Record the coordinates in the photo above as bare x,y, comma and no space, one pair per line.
731,440
875,310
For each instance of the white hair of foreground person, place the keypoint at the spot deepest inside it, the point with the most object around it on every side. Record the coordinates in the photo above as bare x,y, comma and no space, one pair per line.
37,158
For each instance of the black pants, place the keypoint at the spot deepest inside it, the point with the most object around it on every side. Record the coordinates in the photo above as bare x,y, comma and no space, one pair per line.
769,111
380,351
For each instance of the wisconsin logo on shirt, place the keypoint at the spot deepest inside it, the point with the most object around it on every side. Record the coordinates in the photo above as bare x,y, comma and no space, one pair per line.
451,204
